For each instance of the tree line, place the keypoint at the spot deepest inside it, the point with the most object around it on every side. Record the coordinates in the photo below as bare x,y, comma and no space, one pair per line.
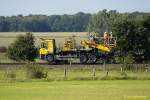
80,22
42,23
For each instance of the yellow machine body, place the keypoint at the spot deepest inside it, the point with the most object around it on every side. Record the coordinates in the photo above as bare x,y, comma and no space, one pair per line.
105,43
69,44
100,47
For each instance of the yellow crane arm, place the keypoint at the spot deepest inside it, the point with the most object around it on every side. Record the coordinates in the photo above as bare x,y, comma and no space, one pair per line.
103,48
100,47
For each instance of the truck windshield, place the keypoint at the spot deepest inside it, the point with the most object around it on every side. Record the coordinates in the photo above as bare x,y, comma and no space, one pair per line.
44,45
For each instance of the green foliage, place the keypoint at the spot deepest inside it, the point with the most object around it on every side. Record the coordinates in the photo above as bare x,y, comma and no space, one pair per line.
133,37
146,38
102,21
42,23
127,61
4,24
131,29
35,71
10,73
124,74
23,48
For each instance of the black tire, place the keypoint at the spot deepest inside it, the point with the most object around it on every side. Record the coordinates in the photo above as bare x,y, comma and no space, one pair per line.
92,59
83,59
50,58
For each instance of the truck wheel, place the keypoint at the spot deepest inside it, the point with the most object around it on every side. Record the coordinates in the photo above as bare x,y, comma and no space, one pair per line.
83,59
50,58
92,59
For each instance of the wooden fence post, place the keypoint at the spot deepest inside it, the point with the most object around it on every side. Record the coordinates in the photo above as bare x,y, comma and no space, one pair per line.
136,66
65,72
107,72
104,65
94,73
146,72
121,69
70,62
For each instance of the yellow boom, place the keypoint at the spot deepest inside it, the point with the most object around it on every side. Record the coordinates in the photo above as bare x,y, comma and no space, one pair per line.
100,47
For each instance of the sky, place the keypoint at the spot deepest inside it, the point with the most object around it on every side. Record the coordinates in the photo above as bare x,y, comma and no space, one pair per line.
60,7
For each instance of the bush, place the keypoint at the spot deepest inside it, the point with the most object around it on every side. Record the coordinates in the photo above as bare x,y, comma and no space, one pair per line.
35,71
10,74
23,48
127,61
124,75
3,49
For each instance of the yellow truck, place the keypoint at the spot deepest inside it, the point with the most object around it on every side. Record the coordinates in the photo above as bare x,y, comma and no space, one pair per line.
89,52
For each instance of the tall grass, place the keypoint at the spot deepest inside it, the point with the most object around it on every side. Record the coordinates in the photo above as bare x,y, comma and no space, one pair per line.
35,71
40,73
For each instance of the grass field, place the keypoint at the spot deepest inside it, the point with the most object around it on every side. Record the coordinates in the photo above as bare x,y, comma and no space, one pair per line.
8,37
80,84
76,90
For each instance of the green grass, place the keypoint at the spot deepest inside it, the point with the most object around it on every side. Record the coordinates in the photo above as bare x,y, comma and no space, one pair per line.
5,59
79,85
57,74
76,90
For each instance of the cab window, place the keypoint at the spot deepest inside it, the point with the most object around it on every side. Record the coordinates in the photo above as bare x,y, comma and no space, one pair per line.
44,45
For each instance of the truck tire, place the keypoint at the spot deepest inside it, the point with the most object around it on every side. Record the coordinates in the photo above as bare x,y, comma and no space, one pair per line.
92,59
83,59
50,58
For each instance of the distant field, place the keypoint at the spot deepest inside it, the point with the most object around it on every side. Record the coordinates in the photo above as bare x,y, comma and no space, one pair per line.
6,38
76,90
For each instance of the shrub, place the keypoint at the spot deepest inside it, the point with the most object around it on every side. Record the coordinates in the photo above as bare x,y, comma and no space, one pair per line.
3,49
35,71
124,75
10,74
23,48
127,61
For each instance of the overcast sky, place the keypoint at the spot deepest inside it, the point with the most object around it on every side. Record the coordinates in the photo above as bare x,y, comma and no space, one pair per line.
50,7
